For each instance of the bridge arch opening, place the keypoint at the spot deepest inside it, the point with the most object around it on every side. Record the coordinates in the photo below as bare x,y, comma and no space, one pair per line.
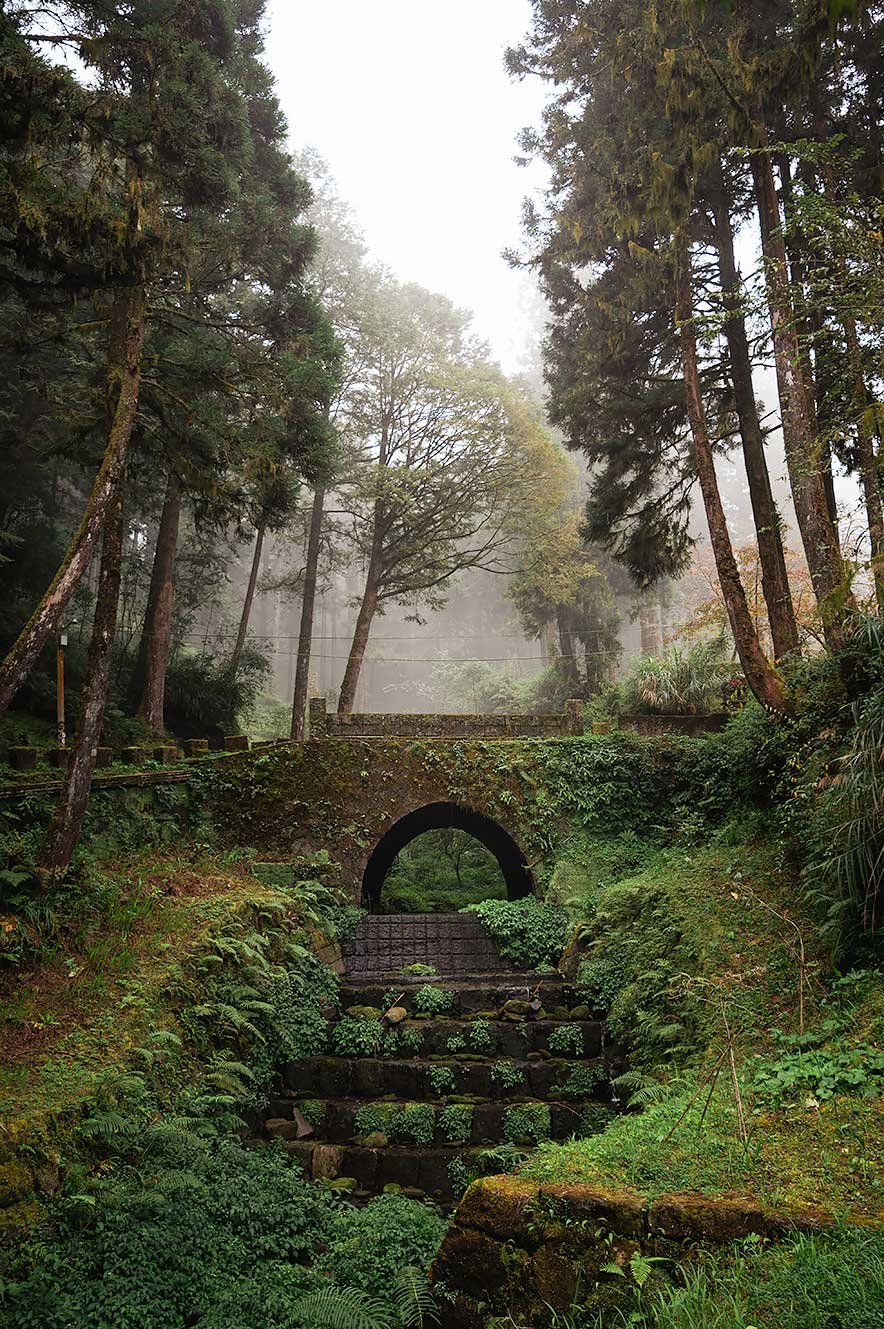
443,816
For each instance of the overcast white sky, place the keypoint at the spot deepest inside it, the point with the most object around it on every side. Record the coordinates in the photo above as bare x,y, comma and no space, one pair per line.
410,104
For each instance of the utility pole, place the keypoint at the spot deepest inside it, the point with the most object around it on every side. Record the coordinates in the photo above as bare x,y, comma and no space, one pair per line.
59,674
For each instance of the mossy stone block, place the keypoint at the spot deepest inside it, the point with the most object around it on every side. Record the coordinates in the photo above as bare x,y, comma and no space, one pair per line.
23,759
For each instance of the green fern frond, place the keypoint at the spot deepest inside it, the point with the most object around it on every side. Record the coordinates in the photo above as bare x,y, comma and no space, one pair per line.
413,1299
342,1308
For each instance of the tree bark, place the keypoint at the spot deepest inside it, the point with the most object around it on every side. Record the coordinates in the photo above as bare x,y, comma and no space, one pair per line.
774,577
364,618
64,831
127,328
865,435
818,534
305,631
760,674
153,652
250,595
566,647
808,324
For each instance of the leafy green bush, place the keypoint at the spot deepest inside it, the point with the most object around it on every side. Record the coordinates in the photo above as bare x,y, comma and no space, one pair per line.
411,1041
368,1247
480,1036
178,1244
526,1123
456,1123
441,1080
529,932
582,1080
417,1123
204,698
456,1043
566,1040
506,1075
357,1038
682,682
375,1118
433,1001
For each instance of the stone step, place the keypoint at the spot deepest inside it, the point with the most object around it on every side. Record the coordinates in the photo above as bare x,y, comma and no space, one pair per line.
452,943
503,1038
424,1170
474,996
338,1121
378,1077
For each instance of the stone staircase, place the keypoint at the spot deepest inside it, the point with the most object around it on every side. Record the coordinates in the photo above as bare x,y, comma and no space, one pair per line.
477,1056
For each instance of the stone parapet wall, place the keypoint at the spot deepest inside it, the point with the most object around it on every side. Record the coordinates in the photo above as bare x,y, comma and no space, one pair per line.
567,724
518,1245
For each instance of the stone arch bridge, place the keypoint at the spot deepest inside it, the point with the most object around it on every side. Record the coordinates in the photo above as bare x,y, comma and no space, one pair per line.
363,786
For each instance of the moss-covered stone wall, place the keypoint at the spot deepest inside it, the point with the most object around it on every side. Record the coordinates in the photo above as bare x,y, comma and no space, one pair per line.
341,796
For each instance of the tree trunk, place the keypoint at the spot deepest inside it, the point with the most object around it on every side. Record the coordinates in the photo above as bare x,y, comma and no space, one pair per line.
64,831
807,324
865,434
250,595
153,652
305,631
805,474
126,339
360,638
649,625
774,577
760,674
566,647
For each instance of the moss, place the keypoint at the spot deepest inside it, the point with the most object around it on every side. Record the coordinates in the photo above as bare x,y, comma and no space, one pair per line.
16,1181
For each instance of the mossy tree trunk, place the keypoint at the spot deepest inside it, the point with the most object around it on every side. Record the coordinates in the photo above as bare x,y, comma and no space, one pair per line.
774,577
65,828
305,630
760,674
127,327
156,636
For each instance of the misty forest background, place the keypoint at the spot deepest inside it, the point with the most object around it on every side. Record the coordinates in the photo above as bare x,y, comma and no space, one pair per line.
243,463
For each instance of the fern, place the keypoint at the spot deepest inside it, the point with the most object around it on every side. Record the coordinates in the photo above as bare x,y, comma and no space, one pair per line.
342,1308
413,1299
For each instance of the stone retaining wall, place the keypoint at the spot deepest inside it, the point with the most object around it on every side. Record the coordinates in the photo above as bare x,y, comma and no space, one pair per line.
518,1245
392,725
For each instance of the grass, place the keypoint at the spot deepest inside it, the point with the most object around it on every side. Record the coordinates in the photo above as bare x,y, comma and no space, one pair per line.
104,980
811,1282
831,1157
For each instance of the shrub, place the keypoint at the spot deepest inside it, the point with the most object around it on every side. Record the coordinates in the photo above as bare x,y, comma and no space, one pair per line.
357,1038
416,1122
526,1123
681,682
441,1080
411,1040
582,1080
375,1118
455,1044
820,1073
529,932
480,1036
370,1246
433,1001
506,1075
455,1123
566,1040
205,698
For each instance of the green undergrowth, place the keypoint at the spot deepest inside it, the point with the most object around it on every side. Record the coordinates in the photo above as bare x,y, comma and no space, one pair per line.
139,949
810,1104
808,1282
832,1280
145,1020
